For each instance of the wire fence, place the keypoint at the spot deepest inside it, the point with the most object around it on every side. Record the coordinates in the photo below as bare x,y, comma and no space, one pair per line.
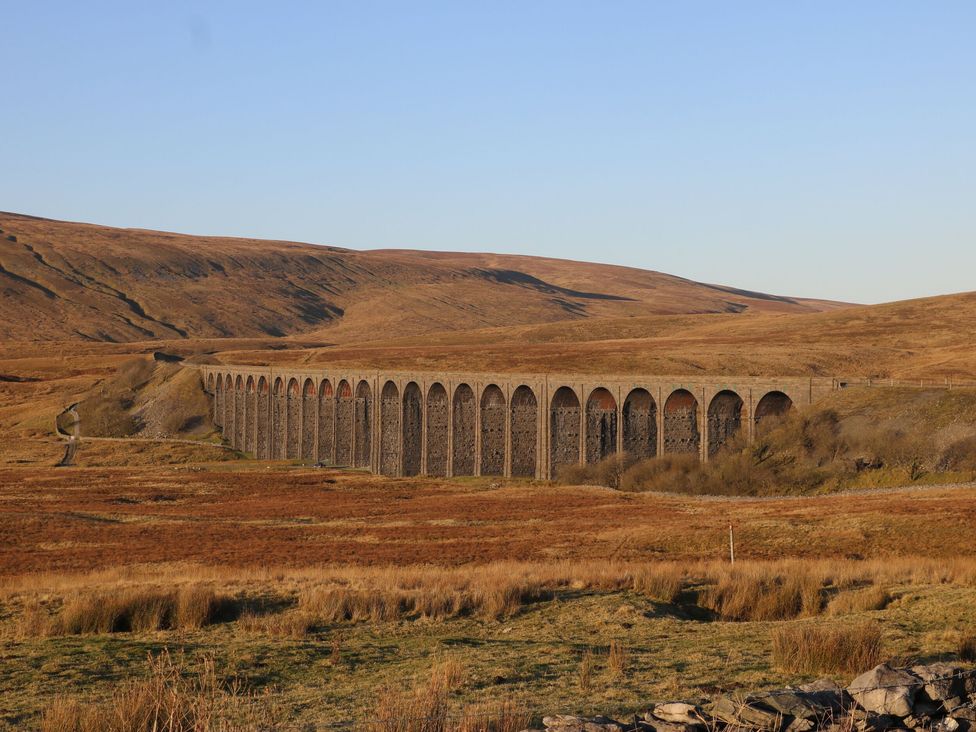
944,383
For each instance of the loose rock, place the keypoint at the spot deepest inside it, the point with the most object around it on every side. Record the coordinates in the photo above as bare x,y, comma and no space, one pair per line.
885,690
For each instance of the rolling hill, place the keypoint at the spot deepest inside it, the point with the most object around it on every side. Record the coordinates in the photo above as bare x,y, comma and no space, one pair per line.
72,281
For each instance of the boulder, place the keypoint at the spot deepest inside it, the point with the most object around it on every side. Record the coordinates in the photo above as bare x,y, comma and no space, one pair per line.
827,694
796,704
678,713
943,681
570,723
886,691
743,712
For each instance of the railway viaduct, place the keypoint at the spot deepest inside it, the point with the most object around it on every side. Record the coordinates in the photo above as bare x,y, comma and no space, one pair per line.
455,424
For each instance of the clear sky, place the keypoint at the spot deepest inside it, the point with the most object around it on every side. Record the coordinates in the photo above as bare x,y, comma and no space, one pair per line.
808,148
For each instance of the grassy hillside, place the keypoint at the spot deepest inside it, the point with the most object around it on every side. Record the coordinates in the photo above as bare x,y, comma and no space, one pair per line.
930,338
68,281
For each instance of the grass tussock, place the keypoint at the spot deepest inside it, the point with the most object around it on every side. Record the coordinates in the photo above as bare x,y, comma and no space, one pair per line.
814,649
861,600
172,698
136,610
967,648
427,708
289,624
761,593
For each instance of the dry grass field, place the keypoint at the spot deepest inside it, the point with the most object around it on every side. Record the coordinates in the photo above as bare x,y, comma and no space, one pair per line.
170,576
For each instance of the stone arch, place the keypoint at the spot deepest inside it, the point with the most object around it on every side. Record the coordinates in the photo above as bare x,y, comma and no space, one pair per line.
773,406
390,429
345,409
681,432
251,417
724,419
413,428
364,425
229,400
438,416
278,420
601,425
326,446
210,383
492,431
564,429
463,419
310,399
294,420
524,412
263,427
240,413
640,425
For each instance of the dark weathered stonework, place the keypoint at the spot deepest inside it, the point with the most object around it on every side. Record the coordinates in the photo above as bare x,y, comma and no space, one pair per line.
240,405
309,419
390,429
524,431
492,431
640,425
278,421
564,429
601,426
681,432
293,422
344,424
463,420
326,451
438,419
263,450
251,417
724,420
364,425
413,429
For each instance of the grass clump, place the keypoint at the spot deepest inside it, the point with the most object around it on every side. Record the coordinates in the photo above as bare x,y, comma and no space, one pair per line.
169,699
858,601
759,593
816,649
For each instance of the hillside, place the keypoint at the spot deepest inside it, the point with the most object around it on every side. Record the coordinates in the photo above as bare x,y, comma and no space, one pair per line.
930,338
71,281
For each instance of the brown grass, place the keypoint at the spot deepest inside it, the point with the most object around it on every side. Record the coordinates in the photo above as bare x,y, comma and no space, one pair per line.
584,674
807,648
137,610
859,601
766,593
166,701
617,660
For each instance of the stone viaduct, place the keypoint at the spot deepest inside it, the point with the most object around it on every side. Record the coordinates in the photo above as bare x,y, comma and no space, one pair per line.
455,424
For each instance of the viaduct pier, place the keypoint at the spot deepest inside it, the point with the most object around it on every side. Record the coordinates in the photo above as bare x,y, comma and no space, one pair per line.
454,424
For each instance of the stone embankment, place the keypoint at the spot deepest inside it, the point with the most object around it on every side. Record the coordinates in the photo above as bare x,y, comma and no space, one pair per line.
940,697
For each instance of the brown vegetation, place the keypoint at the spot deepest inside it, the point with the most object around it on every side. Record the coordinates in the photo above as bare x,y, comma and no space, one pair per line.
812,649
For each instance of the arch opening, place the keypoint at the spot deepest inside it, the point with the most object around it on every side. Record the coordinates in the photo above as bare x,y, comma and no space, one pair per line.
363,425
724,420
772,408
278,421
564,431
682,435
229,405
251,417
218,410
413,429
263,448
463,423
325,446
524,429
438,417
601,425
640,425
390,429
309,419
492,431
344,424
240,414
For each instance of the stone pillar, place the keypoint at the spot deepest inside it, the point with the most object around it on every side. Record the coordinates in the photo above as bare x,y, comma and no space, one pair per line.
450,386
507,391
478,393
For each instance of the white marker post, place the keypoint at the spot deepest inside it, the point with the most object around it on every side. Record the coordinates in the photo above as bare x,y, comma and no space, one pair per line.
731,546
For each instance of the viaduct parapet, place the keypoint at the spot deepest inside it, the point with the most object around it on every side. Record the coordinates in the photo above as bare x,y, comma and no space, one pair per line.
455,424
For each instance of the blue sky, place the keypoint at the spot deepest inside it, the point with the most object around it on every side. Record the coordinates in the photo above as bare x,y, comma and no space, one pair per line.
810,148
